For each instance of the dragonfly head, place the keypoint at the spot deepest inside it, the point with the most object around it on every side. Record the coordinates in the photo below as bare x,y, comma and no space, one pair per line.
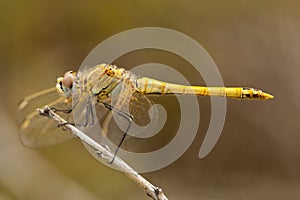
65,85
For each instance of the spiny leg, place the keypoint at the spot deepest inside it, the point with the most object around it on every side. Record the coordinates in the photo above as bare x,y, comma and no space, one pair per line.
127,117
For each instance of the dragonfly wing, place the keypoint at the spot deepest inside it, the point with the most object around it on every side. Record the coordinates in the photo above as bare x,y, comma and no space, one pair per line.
129,104
139,108
37,130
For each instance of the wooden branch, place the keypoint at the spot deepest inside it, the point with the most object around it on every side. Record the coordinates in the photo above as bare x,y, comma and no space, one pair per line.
106,155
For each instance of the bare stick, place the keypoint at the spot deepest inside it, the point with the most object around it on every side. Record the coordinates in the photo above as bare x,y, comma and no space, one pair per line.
104,153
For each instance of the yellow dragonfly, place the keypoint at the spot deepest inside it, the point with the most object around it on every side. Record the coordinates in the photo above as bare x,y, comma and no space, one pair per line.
105,89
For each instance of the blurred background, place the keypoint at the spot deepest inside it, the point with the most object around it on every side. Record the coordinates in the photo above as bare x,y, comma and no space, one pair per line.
254,43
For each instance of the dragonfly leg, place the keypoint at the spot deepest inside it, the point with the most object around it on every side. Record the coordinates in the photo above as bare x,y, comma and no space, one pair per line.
89,116
123,114
127,117
122,140
63,124
67,111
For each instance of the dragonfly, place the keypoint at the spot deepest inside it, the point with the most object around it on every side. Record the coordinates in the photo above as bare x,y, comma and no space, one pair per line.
102,92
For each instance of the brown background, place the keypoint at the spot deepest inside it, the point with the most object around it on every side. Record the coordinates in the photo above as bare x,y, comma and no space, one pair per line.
254,43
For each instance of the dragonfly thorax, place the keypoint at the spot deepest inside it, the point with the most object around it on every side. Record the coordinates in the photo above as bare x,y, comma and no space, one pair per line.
104,83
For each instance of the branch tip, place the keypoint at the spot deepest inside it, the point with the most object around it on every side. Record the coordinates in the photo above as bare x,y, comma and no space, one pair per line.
105,153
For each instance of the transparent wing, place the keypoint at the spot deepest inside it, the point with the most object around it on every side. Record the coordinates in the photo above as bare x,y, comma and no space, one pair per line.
127,103
37,130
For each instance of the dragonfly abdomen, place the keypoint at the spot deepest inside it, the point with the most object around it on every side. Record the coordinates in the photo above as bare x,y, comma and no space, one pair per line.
152,86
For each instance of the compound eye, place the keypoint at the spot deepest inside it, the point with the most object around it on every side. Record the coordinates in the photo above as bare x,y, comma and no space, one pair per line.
68,80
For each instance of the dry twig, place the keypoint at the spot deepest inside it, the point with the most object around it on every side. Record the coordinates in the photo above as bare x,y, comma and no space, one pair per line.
104,153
